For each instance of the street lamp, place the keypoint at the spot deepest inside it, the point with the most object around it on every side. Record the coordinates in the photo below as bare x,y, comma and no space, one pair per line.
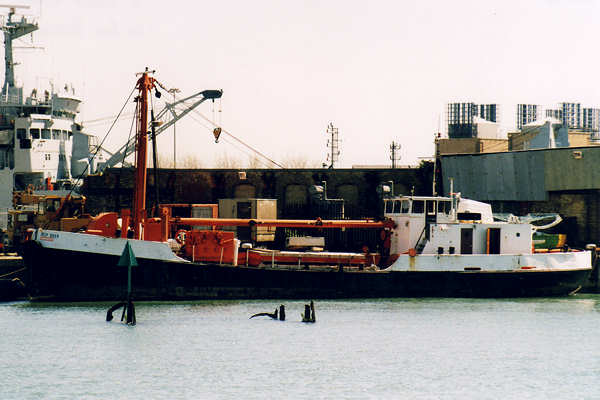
173,91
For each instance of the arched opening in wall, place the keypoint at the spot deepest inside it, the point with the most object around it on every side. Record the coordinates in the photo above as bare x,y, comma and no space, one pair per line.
295,201
244,191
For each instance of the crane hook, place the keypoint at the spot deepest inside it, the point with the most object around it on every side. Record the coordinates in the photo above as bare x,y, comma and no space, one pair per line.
217,133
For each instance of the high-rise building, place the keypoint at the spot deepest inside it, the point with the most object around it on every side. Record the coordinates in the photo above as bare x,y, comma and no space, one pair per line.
556,114
462,121
527,113
571,115
591,120
489,112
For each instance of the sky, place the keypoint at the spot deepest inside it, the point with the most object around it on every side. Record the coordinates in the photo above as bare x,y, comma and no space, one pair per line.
379,71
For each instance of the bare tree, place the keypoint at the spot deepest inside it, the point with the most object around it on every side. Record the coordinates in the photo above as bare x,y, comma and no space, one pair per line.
254,162
226,162
191,161
299,161
165,161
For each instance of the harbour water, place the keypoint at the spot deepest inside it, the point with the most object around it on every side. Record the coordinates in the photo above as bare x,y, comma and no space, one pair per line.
374,349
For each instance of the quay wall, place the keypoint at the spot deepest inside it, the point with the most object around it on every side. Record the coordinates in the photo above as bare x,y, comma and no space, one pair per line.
112,190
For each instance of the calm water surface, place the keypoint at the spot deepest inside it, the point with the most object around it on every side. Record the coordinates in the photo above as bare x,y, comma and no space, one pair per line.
374,349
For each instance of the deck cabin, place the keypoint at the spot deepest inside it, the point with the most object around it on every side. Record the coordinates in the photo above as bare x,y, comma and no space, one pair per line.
451,225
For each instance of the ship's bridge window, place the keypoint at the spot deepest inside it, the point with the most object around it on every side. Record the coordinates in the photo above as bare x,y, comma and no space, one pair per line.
418,207
431,206
65,135
53,205
35,133
389,206
444,207
55,134
45,133
21,133
405,207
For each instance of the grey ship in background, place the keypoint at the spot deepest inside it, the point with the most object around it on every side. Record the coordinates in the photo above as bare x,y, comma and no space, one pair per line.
42,146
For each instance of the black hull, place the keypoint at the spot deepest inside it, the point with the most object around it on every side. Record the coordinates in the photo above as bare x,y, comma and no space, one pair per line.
11,290
12,278
76,276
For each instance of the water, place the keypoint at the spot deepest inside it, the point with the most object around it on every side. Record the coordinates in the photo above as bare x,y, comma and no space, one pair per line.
369,349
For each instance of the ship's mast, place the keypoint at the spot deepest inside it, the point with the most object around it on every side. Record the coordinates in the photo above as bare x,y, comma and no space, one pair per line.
144,84
13,30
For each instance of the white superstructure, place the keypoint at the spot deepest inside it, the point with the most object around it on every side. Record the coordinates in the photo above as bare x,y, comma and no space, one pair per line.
41,143
454,234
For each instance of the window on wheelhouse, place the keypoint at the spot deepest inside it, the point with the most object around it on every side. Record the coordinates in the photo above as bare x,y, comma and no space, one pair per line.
431,207
35,133
56,134
45,133
389,206
405,207
444,207
418,206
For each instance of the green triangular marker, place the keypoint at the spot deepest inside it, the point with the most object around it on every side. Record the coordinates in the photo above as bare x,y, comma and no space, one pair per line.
127,257
128,260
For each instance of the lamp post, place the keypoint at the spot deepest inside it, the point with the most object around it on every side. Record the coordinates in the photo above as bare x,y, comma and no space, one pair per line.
173,91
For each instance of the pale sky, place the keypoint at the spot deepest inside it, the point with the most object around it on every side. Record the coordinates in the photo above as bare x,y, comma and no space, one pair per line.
380,71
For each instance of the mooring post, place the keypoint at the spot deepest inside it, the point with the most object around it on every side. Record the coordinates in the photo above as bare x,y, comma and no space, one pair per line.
130,312
595,276
306,315
309,312
282,312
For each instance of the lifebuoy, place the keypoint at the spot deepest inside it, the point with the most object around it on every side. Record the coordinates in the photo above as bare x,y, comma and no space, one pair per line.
180,236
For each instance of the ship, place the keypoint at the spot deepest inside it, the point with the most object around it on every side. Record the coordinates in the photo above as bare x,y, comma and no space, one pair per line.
43,146
432,246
